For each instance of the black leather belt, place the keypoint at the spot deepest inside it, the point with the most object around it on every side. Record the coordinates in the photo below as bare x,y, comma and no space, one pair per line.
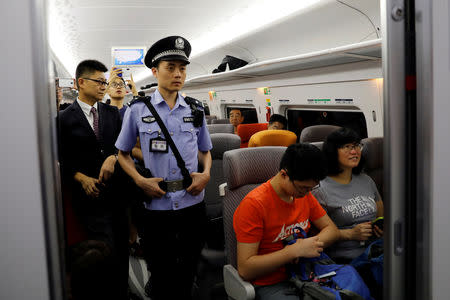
171,185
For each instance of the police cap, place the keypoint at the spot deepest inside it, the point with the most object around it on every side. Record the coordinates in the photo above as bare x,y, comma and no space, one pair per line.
169,48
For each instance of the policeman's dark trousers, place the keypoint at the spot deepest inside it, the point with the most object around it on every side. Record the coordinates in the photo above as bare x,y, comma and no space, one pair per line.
173,242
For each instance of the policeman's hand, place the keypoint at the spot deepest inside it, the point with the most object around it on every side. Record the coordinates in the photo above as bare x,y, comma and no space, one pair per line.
150,187
362,231
89,185
378,232
199,181
107,169
310,247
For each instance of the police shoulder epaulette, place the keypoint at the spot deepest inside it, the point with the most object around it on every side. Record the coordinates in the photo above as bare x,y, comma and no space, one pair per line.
190,100
137,99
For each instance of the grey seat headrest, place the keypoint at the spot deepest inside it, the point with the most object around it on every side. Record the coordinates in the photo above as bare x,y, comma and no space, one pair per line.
316,133
223,142
251,165
220,128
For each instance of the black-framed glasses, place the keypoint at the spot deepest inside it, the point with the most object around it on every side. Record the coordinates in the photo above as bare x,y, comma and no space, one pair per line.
304,189
117,85
98,81
350,147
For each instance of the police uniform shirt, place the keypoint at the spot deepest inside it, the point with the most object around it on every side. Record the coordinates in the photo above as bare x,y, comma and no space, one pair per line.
138,120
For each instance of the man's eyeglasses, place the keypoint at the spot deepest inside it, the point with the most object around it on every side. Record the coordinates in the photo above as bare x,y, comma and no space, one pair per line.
117,85
305,189
98,81
350,147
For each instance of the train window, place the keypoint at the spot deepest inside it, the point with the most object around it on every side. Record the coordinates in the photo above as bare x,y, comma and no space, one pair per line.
249,114
299,119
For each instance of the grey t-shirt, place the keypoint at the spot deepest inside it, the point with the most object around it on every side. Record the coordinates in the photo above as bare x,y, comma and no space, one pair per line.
348,205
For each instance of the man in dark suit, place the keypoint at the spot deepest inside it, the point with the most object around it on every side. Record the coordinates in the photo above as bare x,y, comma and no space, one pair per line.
88,130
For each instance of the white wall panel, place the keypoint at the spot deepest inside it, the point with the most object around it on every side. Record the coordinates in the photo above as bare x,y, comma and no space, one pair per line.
23,262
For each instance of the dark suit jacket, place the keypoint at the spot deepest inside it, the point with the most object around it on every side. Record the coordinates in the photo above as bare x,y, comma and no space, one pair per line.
80,151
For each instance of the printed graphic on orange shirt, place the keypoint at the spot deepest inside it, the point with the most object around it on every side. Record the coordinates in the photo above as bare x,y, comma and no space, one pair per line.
287,231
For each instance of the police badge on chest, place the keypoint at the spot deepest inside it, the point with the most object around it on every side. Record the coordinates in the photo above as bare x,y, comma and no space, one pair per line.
159,144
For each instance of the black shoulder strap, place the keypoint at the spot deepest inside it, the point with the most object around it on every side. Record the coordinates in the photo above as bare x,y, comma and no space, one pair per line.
180,162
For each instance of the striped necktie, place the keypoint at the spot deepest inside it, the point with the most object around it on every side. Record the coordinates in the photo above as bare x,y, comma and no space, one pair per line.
94,113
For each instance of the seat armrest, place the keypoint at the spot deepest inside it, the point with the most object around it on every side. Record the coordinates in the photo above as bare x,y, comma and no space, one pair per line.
212,257
222,189
235,286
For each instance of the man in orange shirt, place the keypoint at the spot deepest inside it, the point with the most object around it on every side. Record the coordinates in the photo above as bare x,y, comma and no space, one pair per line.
272,212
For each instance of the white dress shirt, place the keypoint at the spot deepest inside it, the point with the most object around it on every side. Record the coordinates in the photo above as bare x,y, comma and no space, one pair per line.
86,108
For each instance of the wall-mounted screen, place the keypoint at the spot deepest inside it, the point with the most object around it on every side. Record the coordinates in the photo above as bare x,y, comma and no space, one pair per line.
128,56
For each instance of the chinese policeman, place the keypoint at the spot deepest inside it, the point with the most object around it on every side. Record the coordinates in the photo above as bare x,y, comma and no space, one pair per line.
174,219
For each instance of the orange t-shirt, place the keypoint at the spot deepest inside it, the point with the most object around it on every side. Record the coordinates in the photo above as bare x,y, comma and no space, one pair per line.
264,217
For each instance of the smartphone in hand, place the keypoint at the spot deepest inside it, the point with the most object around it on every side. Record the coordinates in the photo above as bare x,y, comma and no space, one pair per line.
379,222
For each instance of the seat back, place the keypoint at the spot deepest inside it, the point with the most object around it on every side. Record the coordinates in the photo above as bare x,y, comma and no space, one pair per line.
373,160
220,128
318,145
210,118
221,142
316,133
220,121
245,131
272,138
244,170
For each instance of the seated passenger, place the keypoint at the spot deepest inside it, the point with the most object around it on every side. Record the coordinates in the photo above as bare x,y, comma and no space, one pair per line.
277,122
350,198
280,137
270,213
236,118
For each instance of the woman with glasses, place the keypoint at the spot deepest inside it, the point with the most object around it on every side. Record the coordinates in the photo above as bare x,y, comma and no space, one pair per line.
350,197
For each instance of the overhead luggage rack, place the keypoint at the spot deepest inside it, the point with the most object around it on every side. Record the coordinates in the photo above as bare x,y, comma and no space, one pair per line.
364,51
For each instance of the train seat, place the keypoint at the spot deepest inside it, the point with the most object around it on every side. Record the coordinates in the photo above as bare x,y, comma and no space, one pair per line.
318,145
245,131
221,142
210,118
220,128
272,138
373,160
316,133
213,256
220,121
244,170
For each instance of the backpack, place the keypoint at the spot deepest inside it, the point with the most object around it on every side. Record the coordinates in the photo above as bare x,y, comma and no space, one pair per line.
321,278
370,262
